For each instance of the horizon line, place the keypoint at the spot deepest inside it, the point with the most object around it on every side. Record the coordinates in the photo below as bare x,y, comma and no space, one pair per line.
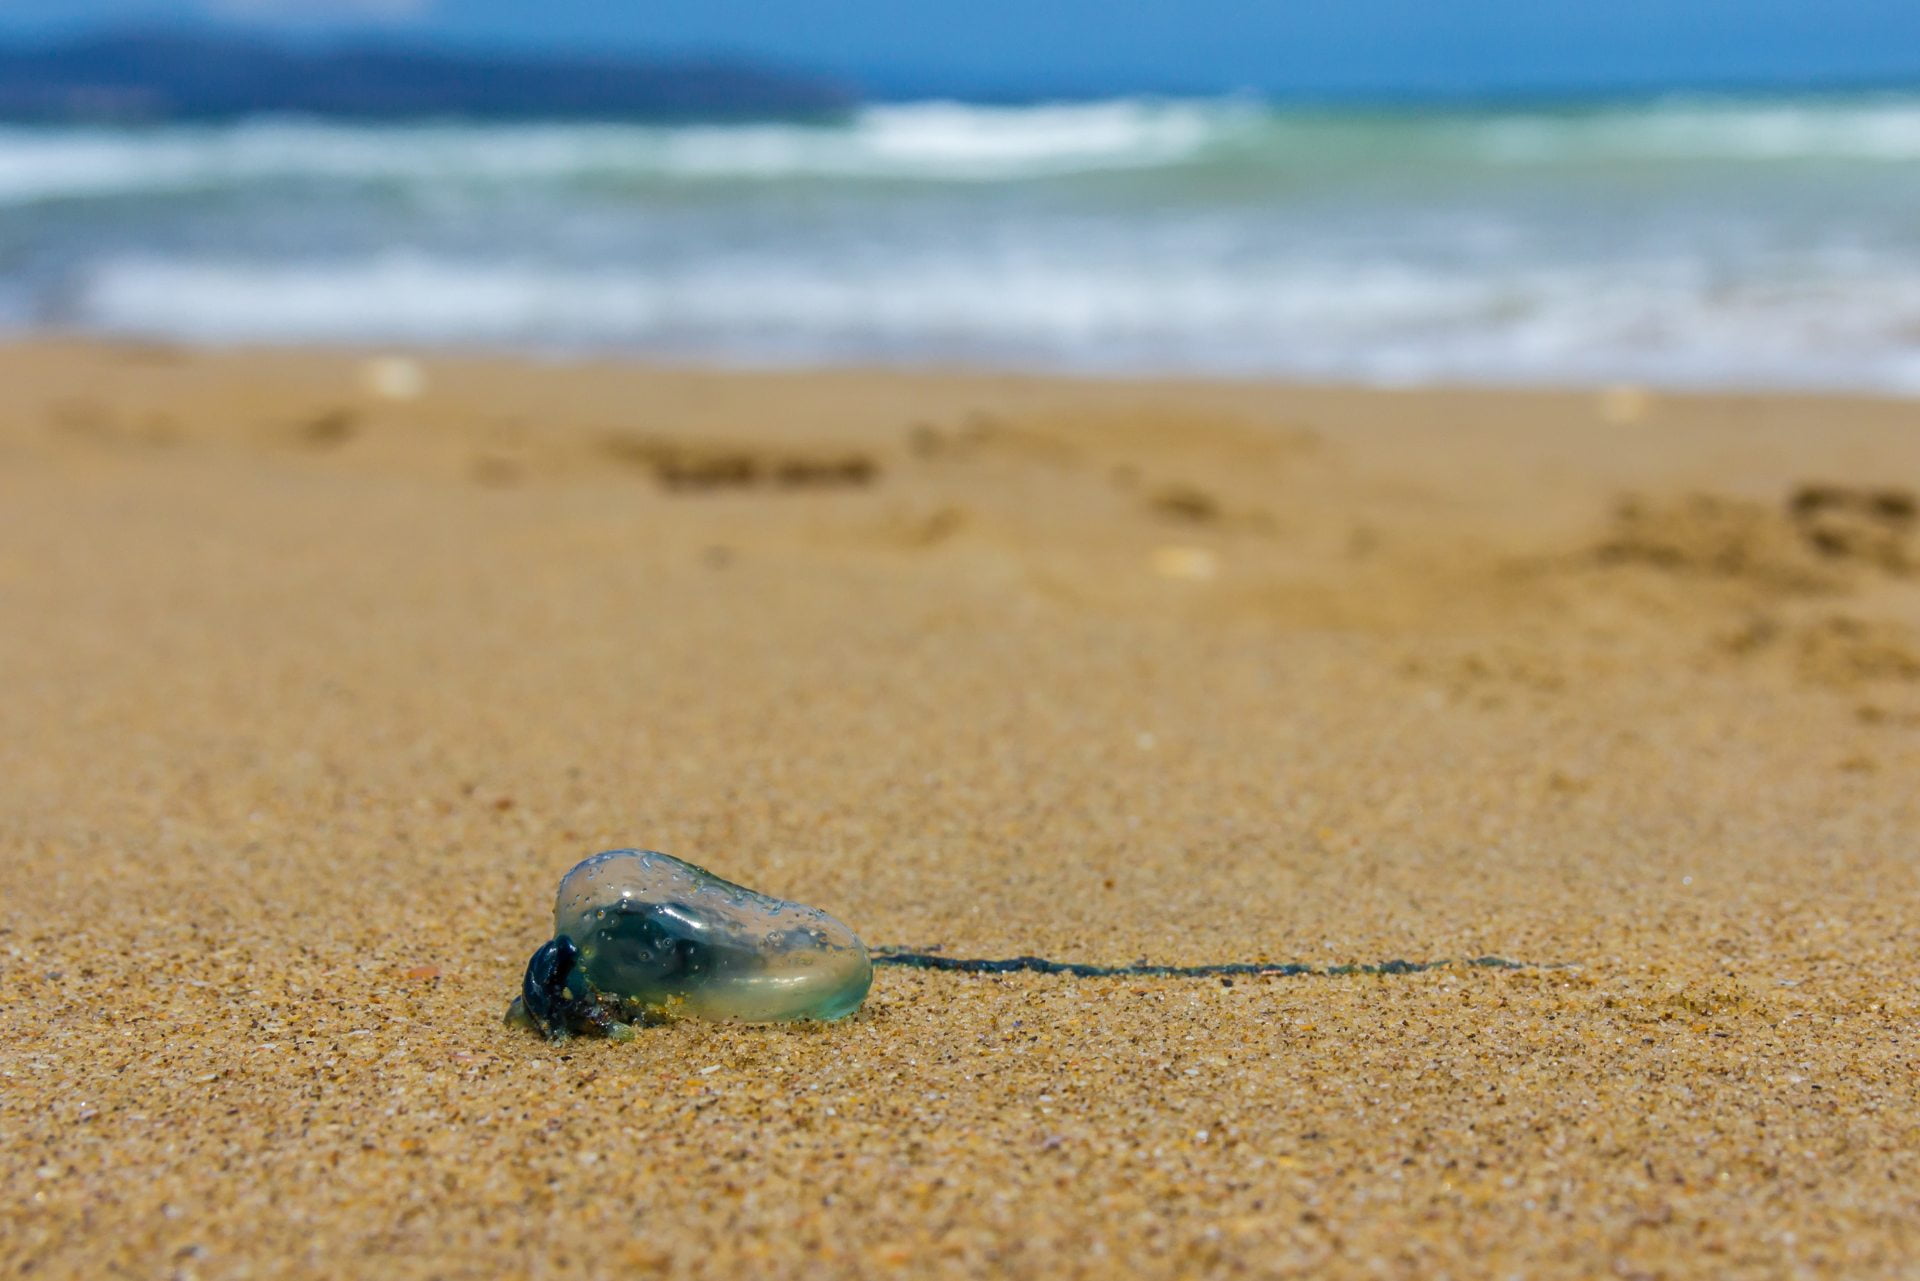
893,86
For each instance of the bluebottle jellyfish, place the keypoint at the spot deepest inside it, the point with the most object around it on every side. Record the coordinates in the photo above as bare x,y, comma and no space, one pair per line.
642,937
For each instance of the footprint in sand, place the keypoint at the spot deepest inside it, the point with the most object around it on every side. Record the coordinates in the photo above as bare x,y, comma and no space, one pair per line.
1806,544
689,468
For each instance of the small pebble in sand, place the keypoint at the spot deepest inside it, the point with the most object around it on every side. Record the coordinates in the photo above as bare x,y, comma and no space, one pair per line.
641,937
1194,564
1625,404
393,378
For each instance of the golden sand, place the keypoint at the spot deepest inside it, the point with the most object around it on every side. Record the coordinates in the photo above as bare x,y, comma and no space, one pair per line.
317,675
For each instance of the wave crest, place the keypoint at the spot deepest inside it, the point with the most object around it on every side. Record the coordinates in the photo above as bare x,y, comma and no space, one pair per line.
948,142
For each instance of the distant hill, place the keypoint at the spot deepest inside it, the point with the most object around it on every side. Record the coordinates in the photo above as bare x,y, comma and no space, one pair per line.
146,76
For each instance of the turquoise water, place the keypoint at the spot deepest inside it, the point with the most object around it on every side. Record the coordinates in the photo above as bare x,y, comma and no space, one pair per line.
1683,242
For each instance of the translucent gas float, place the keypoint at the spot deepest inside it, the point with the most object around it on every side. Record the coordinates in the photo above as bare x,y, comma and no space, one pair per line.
642,937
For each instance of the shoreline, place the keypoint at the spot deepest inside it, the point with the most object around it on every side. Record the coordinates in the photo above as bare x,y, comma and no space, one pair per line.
510,355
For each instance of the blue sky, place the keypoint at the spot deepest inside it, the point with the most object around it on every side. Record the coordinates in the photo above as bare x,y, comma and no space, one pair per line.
1307,45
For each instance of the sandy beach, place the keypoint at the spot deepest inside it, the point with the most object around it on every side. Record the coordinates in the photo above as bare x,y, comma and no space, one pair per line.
318,674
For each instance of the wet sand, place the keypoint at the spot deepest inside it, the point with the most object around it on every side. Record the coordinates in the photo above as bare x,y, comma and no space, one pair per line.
314,686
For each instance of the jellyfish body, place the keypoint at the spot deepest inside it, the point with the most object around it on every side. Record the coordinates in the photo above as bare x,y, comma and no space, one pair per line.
651,938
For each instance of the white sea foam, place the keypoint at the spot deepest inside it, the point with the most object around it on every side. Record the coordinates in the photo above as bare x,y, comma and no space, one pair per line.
1886,131
1382,322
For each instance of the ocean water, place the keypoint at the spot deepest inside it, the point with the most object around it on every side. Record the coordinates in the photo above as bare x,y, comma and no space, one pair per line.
1702,242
